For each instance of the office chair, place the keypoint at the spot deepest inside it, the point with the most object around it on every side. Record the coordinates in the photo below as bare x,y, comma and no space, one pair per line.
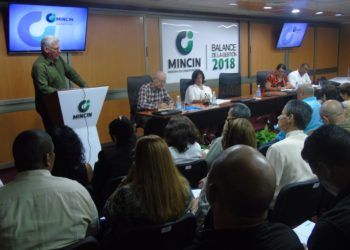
261,77
194,171
108,189
134,85
184,83
229,85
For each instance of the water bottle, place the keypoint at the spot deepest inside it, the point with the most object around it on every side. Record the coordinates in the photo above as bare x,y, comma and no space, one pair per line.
258,92
178,102
213,99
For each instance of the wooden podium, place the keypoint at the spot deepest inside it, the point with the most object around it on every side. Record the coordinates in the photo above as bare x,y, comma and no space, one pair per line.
80,110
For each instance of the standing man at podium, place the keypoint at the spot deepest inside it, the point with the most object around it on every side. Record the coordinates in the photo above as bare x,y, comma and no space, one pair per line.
49,74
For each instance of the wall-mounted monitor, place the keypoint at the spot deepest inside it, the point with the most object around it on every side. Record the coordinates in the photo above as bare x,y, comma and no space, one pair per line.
292,35
28,24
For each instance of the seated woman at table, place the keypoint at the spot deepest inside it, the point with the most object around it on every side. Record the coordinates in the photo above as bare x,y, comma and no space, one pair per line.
182,137
197,91
278,79
154,192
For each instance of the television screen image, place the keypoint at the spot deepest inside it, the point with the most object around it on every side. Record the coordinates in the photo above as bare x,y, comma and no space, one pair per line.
28,24
292,35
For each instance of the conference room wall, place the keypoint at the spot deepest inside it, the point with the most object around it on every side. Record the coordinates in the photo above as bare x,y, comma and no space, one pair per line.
344,50
116,49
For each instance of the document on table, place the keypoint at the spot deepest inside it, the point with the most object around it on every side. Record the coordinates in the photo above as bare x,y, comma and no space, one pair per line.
221,101
304,230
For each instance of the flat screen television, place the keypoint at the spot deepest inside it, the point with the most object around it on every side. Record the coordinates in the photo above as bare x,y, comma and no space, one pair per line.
292,35
28,24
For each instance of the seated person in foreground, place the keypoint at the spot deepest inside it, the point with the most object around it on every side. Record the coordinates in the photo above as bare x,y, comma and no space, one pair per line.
38,210
238,110
116,159
197,91
327,151
153,95
153,193
278,80
182,137
299,76
332,112
344,90
236,131
240,186
69,156
285,155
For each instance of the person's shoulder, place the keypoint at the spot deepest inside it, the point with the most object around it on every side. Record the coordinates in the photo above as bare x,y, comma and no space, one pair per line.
40,62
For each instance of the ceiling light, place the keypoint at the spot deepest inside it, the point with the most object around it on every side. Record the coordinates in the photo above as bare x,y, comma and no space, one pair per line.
319,12
338,14
267,7
233,4
295,11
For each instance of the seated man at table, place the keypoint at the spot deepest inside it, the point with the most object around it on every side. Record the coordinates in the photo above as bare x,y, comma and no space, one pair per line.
278,80
38,210
328,152
299,76
240,187
153,95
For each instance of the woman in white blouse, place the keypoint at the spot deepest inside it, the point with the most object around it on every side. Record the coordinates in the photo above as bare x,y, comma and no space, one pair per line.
197,91
182,137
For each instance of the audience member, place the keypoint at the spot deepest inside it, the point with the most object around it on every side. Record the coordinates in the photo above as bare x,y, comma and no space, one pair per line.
332,112
154,192
236,131
153,95
344,91
284,155
69,156
299,76
116,159
327,151
38,210
240,186
278,79
238,110
305,93
329,92
182,137
197,91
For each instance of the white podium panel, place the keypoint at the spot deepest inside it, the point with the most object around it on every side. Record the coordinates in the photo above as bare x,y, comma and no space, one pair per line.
81,109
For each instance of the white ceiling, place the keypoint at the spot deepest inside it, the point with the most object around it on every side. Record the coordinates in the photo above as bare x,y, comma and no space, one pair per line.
280,8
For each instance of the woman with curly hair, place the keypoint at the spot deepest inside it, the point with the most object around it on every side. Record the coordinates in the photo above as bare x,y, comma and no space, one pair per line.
182,137
69,156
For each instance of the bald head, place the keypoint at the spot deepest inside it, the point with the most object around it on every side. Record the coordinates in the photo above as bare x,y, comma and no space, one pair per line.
33,149
159,79
304,91
241,182
332,112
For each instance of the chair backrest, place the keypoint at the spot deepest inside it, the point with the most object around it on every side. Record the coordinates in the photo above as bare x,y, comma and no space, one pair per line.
229,85
261,77
194,171
134,85
297,202
169,236
108,189
89,243
184,83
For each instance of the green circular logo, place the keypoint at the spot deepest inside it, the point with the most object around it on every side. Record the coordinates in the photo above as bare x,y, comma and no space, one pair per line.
84,106
184,50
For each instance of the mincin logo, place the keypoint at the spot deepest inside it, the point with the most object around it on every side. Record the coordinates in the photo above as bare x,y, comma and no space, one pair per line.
51,17
182,35
84,106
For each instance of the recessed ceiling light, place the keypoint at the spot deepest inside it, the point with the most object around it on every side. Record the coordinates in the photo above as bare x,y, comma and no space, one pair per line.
267,7
338,14
295,11
233,4
319,13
